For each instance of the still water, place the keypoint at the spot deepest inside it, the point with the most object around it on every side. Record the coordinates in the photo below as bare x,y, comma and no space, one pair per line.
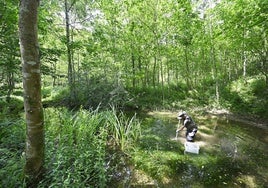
232,154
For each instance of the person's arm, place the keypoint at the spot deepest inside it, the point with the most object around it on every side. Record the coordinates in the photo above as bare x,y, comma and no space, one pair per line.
180,128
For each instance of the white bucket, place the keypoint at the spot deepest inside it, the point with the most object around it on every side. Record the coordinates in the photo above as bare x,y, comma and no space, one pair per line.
191,147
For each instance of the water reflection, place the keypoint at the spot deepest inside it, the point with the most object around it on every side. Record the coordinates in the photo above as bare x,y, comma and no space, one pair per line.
232,154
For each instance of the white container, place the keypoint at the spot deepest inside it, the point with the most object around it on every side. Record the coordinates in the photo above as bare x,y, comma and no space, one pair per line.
191,147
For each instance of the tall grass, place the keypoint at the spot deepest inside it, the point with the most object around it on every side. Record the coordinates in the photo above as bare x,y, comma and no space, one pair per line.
76,147
12,140
125,131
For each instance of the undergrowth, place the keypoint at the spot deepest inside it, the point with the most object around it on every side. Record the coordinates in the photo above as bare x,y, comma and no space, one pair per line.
76,147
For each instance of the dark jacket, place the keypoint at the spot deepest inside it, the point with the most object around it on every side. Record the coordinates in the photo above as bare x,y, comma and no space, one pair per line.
189,124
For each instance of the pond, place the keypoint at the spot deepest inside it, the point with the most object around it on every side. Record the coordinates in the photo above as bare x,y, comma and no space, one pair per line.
232,154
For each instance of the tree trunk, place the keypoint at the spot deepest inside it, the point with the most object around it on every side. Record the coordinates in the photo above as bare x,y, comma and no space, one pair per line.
154,71
69,51
67,30
187,75
215,74
133,71
11,84
34,151
265,58
244,55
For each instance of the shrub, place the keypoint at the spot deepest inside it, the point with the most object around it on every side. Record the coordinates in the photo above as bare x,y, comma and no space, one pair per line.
76,147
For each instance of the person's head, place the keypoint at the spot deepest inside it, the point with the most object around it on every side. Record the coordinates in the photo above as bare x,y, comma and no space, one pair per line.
182,115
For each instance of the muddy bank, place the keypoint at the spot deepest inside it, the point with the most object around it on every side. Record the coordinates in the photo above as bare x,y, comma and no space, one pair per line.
246,119
231,149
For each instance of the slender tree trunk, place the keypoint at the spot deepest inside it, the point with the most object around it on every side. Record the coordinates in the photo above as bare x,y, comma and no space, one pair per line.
147,75
156,49
215,72
69,50
213,60
168,71
54,76
29,48
154,71
244,64
133,71
10,81
265,58
67,30
244,55
162,79
140,70
187,68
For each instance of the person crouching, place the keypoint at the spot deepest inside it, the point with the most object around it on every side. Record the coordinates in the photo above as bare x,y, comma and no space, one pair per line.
191,127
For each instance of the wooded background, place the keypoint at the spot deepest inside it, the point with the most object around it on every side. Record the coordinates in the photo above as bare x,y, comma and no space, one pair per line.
100,48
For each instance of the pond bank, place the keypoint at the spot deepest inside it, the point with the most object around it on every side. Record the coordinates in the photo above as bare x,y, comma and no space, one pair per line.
246,119
231,151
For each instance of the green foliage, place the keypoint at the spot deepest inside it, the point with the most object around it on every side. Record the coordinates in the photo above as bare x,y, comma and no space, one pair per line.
76,147
125,131
162,159
169,97
9,56
93,93
10,107
134,55
55,94
12,139
248,95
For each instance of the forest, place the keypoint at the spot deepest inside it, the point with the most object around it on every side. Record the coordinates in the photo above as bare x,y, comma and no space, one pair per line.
90,91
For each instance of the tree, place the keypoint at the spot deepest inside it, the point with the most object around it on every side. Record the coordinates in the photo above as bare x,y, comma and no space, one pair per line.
68,45
29,48
9,61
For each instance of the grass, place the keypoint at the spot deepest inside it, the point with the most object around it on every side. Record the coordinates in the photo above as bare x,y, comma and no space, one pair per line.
125,131
86,149
94,148
161,159
11,150
79,145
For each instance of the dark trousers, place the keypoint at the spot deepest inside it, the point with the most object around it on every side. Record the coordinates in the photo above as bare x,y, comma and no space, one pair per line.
190,134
